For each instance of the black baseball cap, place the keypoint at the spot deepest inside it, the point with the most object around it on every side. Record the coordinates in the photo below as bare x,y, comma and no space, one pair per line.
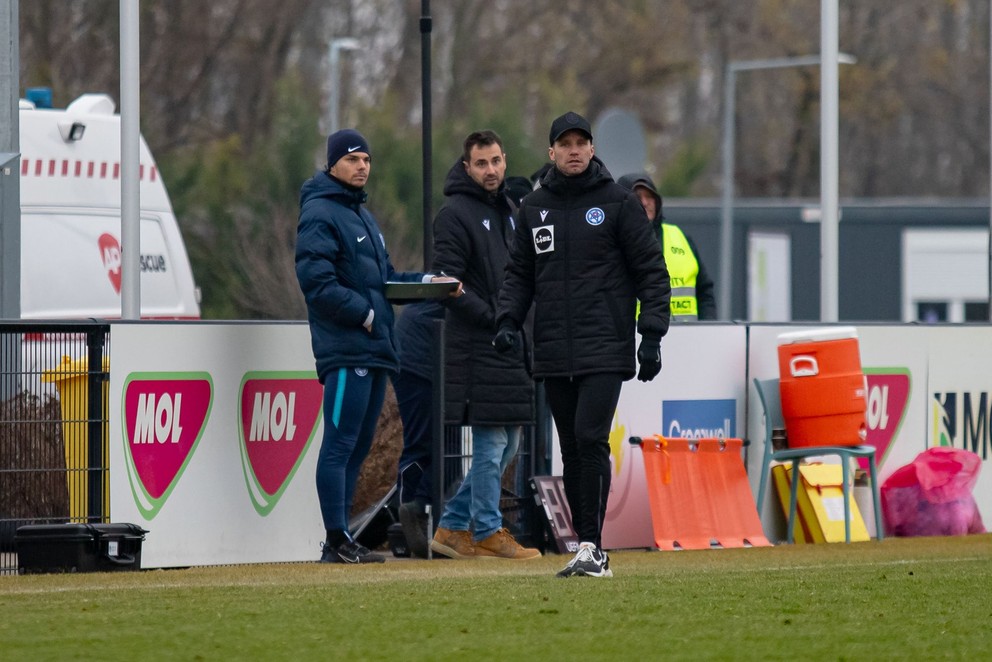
569,122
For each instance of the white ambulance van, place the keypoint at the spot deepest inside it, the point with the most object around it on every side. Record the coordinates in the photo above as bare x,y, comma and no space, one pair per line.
71,220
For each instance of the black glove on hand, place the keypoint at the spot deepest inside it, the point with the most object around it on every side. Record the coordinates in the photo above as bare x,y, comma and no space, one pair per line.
507,339
649,356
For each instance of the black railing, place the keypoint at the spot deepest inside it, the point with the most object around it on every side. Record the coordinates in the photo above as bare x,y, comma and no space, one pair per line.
53,378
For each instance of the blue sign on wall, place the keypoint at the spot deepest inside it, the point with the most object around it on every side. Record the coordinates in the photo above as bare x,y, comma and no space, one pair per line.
699,419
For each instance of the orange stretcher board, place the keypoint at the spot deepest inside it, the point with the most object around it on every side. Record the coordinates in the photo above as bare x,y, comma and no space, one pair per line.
699,494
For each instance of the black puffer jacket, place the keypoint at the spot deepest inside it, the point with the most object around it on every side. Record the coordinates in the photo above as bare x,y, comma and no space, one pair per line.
472,235
584,253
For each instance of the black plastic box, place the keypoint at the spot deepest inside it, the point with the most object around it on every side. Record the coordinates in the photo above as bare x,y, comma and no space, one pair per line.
78,547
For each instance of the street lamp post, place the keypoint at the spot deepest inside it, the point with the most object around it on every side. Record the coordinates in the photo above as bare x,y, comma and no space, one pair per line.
338,44
727,183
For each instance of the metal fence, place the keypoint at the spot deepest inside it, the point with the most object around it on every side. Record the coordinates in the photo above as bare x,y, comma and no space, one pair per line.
53,379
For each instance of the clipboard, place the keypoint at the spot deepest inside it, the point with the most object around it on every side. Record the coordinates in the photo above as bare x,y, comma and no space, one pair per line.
418,291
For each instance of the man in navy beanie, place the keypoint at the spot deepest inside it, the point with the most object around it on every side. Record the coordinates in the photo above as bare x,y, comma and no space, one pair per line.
342,266
346,141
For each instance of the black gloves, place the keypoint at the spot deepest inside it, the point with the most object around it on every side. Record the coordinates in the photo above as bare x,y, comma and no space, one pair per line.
649,356
507,338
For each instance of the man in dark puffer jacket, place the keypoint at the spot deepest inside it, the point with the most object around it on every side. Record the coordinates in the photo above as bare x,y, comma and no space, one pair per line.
342,266
583,255
488,390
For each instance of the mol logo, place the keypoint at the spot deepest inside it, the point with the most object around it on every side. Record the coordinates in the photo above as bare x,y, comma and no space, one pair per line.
164,417
279,413
888,395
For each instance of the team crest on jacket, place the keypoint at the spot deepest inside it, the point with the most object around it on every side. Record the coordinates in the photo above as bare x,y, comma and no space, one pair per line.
544,238
485,222
595,216
361,372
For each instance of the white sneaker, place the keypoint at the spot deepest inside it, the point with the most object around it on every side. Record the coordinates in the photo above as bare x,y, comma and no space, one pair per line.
589,561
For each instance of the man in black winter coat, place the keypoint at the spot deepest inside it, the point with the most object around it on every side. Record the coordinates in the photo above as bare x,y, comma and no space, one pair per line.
488,390
584,255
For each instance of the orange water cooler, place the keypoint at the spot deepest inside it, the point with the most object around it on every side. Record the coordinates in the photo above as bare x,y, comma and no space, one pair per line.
822,387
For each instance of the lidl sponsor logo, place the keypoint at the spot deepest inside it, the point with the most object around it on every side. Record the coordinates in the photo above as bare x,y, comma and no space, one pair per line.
164,417
279,416
544,238
699,419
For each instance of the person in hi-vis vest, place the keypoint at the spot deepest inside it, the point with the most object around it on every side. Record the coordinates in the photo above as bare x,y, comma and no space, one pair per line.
692,287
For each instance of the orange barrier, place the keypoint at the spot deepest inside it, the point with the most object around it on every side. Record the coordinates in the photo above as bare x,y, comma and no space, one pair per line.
699,494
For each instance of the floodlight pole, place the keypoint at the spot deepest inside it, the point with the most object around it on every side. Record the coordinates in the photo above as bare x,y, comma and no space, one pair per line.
130,161
338,44
727,179
829,162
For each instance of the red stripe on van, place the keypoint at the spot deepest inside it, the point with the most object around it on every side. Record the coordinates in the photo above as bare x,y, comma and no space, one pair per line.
141,171
24,167
89,169
154,173
37,168
79,168
103,170
117,170
65,167
51,167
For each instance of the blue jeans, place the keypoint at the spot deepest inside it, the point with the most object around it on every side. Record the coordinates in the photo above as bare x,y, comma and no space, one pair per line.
476,504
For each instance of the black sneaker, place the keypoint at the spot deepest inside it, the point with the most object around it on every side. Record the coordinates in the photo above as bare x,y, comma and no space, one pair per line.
349,552
414,522
588,562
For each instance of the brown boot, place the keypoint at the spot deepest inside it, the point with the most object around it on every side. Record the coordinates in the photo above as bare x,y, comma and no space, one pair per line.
502,545
453,544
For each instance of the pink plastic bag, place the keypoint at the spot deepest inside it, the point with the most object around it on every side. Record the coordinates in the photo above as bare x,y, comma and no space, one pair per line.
931,496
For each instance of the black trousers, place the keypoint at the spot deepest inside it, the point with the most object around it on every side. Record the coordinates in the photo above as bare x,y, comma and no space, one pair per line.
583,409
414,396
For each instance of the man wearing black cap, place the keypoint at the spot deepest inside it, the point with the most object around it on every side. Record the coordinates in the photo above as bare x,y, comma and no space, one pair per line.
692,287
584,255
342,266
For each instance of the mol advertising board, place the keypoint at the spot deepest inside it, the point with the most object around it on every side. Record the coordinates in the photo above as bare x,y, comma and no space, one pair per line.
213,430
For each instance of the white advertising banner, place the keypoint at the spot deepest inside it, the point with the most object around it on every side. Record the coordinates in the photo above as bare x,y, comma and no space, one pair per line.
214,432
215,428
699,393
959,397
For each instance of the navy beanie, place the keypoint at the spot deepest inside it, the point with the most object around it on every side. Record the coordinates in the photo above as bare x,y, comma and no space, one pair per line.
344,142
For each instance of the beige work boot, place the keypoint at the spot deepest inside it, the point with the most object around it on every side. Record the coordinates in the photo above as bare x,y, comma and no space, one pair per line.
453,544
502,545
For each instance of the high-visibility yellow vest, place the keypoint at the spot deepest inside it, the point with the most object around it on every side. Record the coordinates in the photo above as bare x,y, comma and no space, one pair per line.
683,267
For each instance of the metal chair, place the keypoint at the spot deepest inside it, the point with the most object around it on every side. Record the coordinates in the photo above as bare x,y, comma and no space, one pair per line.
771,404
